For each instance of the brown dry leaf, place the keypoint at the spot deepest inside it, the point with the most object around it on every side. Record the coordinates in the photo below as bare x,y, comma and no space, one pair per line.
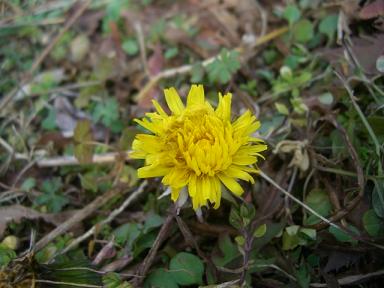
90,21
67,116
107,252
118,264
155,66
18,212
372,10
300,157
366,51
156,61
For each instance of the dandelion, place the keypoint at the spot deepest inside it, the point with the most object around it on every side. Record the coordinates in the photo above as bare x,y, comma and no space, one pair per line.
198,148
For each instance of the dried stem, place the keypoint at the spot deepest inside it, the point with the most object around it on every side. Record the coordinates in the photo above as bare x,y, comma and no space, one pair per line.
79,216
71,160
111,216
163,234
359,171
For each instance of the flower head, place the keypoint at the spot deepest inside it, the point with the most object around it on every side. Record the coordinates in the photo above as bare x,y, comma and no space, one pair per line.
197,147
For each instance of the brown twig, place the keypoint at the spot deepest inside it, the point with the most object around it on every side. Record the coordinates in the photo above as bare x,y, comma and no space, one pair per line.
72,160
110,217
359,171
352,279
163,234
79,216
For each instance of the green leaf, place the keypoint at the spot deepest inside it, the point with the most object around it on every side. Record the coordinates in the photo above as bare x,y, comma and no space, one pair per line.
126,234
372,224
108,113
83,131
153,221
186,269
130,46
171,52
28,184
222,68
83,134
328,25
235,219
144,241
380,64
291,14
260,231
281,108
113,280
273,230
326,98
88,181
80,47
290,238
160,278
303,277
308,232
343,236
318,200
247,213
240,240
51,196
376,123
197,73
49,122
303,31
228,249
6,255
378,198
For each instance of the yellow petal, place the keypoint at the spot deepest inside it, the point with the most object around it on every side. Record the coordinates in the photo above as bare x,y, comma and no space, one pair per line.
196,96
147,125
234,171
243,159
253,149
215,192
192,185
175,192
205,188
176,178
224,107
158,108
152,171
173,100
231,184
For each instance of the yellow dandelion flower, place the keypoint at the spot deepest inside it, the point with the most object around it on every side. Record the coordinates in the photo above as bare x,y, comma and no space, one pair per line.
197,147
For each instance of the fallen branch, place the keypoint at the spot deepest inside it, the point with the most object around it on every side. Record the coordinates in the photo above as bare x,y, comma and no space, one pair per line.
79,216
163,234
71,160
111,216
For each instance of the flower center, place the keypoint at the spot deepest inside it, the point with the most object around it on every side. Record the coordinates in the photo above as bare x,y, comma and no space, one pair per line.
201,141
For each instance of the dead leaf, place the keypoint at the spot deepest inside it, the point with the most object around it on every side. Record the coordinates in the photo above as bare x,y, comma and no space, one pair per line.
107,252
18,212
372,10
366,51
300,157
118,264
79,47
83,136
67,117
